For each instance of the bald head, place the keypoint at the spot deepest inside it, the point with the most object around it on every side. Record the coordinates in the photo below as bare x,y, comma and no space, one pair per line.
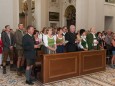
109,32
72,28
93,30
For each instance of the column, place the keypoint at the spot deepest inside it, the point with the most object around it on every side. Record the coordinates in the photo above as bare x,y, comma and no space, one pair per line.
29,17
44,13
15,14
38,14
20,5
41,14
92,14
81,14
62,13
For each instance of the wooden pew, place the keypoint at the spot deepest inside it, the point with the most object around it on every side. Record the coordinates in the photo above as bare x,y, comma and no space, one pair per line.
66,65
92,61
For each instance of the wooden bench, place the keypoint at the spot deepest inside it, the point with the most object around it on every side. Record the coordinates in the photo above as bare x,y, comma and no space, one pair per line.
66,65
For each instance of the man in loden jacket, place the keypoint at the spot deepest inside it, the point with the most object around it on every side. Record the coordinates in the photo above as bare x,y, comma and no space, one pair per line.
18,37
29,52
8,45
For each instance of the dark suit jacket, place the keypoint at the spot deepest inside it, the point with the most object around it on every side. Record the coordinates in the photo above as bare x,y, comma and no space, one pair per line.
6,41
28,46
70,46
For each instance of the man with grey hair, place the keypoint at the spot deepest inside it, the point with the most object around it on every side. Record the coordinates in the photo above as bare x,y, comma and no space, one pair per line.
108,39
92,39
71,38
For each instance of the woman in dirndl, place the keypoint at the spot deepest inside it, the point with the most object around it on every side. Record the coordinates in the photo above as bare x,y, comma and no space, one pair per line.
50,42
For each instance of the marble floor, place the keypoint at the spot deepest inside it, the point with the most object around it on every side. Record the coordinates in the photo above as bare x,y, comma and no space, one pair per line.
104,78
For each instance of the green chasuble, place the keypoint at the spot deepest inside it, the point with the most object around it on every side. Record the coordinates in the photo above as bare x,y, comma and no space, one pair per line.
90,41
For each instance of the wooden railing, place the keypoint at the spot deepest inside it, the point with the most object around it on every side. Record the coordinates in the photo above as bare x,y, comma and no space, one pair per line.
66,65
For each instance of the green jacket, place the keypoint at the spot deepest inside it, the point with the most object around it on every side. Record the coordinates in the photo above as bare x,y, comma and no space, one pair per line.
90,40
18,38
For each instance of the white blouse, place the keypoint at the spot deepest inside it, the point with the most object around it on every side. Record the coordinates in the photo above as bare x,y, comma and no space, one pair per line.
45,39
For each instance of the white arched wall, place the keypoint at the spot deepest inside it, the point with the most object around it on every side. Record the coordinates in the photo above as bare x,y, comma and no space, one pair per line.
15,14
64,5
96,14
9,14
38,14
90,13
81,14
41,14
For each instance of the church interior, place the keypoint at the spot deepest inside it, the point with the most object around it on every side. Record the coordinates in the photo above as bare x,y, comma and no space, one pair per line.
84,68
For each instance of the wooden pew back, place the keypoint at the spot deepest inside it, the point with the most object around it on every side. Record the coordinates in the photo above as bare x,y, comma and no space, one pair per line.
66,65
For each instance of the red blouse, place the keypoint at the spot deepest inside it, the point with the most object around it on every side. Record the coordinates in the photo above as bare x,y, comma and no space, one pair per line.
1,45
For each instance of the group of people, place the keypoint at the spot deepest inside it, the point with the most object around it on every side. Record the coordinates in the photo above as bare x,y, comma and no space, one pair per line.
59,40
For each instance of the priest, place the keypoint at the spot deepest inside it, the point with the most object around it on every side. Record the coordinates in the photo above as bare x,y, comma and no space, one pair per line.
92,40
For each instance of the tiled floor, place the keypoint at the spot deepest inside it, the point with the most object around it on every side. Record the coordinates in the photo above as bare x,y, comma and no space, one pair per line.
104,78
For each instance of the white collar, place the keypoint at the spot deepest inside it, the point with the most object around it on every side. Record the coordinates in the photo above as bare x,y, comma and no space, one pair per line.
29,34
83,38
93,33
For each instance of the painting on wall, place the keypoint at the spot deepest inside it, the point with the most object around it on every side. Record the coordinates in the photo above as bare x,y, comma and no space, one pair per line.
53,16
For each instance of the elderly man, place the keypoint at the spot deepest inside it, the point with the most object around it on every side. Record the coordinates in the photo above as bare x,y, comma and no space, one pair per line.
92,40
71,38
108,39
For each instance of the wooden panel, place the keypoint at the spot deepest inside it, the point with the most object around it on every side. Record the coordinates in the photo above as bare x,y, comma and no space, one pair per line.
92,61
60,66
66,65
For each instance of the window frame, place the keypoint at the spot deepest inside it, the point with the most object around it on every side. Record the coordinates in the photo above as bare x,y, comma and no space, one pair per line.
110,1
